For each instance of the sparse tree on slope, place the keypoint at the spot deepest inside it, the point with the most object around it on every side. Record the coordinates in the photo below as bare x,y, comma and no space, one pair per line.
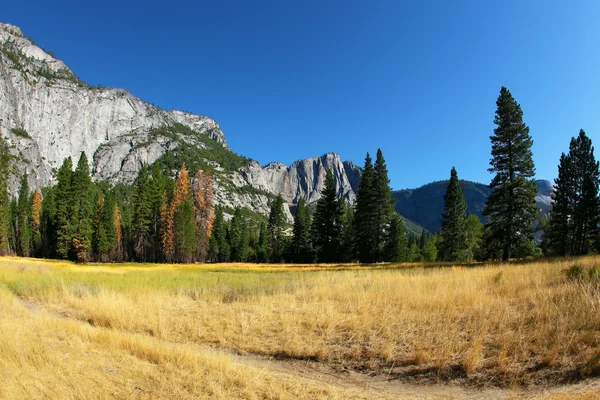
453,245
511,208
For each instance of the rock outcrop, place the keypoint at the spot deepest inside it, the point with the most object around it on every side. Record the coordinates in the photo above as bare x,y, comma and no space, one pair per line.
48,114
304,178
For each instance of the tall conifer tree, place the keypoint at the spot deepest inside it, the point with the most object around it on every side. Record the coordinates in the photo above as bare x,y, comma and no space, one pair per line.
511,208
573,226
82,210
275,227
558,237
327,223
383,205
63,207
24,219
366,215
396,245
204,212
5,158
453,245
239,237
36,212
586,215
142,215
301,241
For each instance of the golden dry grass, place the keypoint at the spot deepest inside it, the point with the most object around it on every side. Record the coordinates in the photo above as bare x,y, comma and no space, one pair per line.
505,324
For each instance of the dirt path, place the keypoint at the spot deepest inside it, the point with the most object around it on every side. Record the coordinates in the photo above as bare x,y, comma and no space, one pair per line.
321,373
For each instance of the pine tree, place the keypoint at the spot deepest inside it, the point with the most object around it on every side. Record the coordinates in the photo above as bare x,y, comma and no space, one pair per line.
14,226
63,208
301,247
365,216
5,165
239,237
24,219
204,208
262,248
586,216
184,239
118,251
474,236
166,230
142,216
429,250
558,237
219,247
573,226
179,240
347,251
106,236
82,210
384,205
511,208
36,213
275,227
97,236
453,245
396,245
158,195
327,223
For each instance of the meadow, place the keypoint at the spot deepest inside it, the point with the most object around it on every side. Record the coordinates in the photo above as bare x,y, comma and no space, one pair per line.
271,331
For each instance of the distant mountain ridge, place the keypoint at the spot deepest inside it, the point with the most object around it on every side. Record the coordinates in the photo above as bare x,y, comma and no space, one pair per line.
424,205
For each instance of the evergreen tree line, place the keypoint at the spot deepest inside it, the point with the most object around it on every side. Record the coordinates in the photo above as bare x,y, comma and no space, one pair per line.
160,219
573,225
165,220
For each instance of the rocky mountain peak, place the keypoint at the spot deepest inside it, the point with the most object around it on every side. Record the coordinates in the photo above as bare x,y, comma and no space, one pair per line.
49,114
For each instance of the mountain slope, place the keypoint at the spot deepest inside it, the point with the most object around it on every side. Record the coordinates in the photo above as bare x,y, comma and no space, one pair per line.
425,205
48,114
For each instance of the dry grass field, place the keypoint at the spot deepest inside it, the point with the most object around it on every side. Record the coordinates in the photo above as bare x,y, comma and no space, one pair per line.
248,331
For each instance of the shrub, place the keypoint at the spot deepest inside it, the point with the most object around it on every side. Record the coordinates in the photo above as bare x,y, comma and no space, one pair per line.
499,278
20,132
574,272
594,274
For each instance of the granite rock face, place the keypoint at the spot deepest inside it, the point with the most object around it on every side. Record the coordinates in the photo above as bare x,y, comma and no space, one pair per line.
304,178
48,114
58,116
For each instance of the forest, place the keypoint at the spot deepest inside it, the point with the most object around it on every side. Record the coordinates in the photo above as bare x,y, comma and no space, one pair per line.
170,215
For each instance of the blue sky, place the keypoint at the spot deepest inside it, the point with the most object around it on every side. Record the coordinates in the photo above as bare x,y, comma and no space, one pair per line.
292,79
